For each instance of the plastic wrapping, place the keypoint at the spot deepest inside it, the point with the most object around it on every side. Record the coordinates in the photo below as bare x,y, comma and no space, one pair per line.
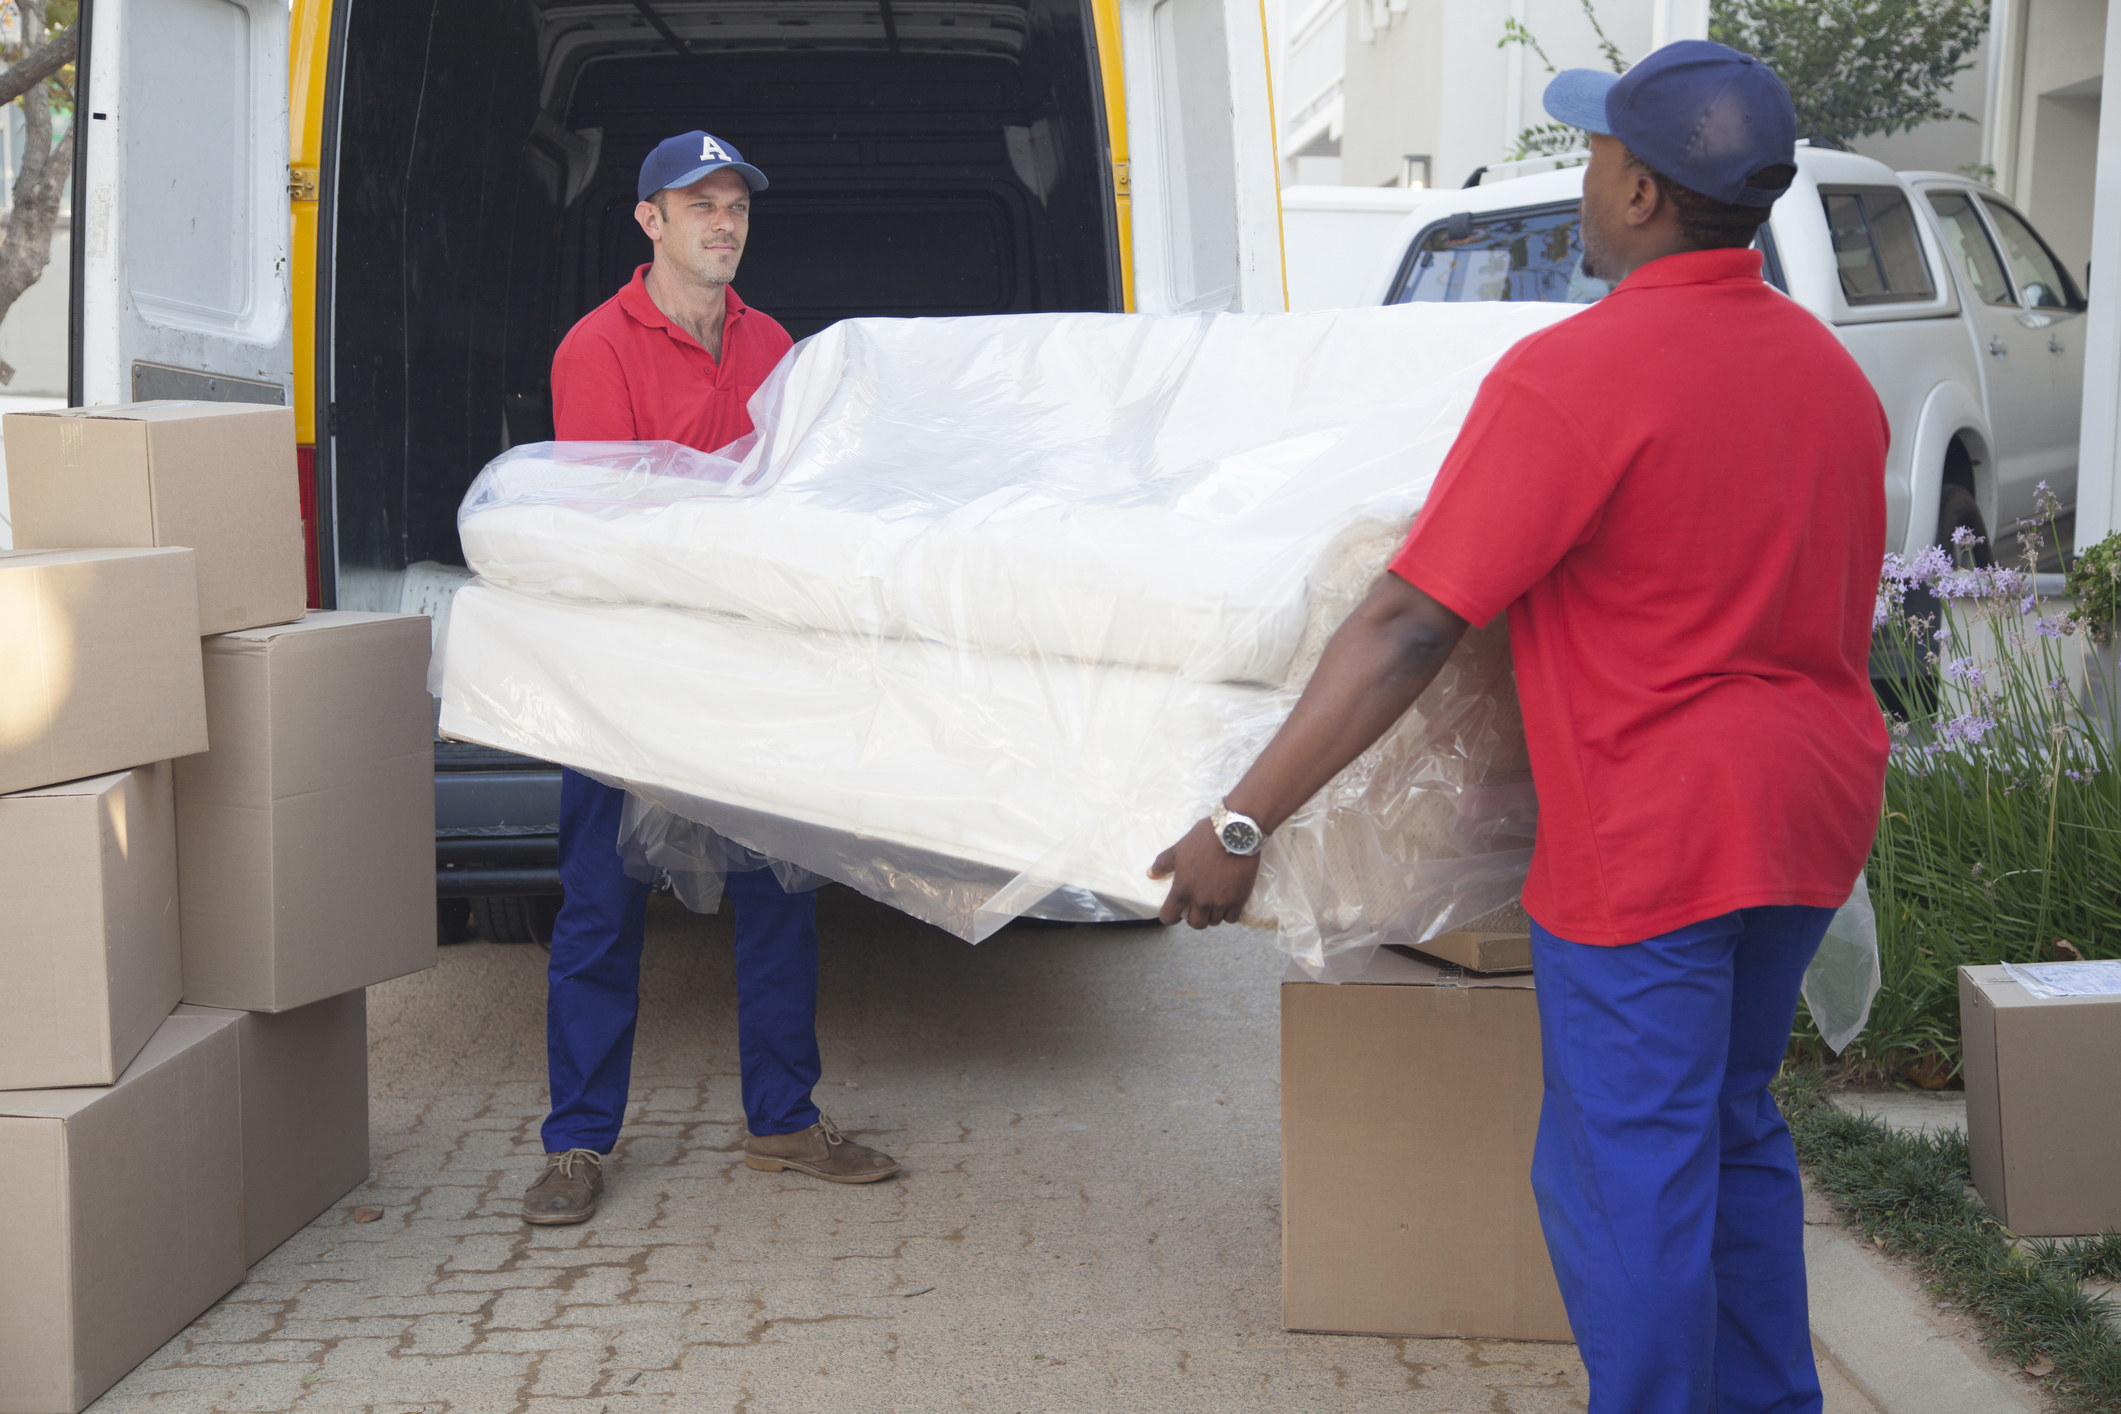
1844,977
991,610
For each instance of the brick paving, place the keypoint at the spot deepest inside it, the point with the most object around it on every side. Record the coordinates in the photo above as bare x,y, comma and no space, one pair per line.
1089,1220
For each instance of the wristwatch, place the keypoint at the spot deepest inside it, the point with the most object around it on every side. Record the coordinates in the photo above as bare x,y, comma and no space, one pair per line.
1239,834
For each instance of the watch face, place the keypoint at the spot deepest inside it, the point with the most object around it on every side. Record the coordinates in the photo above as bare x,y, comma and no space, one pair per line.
1239,837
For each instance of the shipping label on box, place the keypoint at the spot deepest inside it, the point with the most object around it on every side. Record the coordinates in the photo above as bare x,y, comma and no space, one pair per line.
2043,1115
217,477
89,960
124,1217
305,837
99,663
305,1113
1410,1102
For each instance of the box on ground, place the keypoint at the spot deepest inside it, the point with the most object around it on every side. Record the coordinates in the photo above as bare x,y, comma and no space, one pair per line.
124,1215
218,477
305,837
1410,1099
89,960
305,1113
2043,1116
99,663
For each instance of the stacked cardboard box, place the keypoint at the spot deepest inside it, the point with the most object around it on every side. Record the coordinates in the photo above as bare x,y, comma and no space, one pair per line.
239,823
1410,1101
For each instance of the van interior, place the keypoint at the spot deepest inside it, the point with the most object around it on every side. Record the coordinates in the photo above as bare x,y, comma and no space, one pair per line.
924,159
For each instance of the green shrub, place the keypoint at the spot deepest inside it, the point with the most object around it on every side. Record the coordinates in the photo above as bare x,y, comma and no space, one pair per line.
2000,839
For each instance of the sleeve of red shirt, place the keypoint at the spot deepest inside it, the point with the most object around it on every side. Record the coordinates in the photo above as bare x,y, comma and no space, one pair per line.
590,400
1520,487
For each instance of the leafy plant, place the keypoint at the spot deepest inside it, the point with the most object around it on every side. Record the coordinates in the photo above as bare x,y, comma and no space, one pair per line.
1998,838
1554,139
40,78
2095,583
1858,68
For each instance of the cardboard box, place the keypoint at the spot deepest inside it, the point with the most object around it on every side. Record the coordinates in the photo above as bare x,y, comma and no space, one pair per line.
1500,941
1410,1100
2043,1117
305,1113
99,662
124,1216
305,838
218,477
89,962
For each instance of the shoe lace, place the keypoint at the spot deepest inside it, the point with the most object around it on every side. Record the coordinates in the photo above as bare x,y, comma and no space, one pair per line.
565,1163
831,1131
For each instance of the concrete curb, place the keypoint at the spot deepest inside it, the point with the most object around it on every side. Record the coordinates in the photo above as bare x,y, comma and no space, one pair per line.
1881,1337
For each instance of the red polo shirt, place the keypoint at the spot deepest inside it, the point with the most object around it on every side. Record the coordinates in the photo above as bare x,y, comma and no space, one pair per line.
627,374
1679,497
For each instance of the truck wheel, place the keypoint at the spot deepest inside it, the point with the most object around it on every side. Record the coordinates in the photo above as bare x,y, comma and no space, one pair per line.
452,920
1958,509
514,918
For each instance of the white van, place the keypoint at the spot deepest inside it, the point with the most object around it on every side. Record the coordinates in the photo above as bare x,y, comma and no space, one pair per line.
1968,326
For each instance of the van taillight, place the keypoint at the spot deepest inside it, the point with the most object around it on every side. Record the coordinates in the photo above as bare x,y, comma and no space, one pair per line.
306,476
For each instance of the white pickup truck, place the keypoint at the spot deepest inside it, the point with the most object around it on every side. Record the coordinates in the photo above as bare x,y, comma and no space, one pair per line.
1969,327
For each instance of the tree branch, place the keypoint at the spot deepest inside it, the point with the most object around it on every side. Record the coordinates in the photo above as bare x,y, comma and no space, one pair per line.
38,65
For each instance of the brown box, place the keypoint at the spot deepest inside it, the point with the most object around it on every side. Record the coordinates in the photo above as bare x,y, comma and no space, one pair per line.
124,1216
2043,1116
1409,1102
218,477
89,962
1500,941
305,1113
305,838
99,663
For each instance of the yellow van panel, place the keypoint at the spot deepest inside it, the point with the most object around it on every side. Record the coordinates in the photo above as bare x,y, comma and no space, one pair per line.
308,61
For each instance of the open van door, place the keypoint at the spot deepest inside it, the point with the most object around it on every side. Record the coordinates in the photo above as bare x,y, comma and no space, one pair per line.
1203,179
180,203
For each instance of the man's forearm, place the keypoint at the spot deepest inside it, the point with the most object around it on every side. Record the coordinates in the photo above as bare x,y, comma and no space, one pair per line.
1374,667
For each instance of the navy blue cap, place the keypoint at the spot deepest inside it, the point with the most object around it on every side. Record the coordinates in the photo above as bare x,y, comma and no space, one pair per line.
1702,114
682,160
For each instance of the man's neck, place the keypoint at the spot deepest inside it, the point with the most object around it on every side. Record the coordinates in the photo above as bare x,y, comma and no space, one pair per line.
695,306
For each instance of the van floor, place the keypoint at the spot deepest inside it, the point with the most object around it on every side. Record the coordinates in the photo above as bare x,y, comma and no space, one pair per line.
1089,1217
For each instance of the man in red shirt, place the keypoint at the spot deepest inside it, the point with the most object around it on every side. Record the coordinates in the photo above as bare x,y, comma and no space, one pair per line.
1677,496
674,356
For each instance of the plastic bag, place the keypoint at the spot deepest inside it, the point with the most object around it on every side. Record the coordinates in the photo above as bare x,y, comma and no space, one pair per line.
693,857
1006,604
1844,977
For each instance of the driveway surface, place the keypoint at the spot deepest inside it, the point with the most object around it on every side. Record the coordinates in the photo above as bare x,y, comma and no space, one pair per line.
1089,1120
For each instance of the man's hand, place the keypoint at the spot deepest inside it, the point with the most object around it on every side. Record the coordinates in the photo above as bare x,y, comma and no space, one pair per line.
1375,665
1212,884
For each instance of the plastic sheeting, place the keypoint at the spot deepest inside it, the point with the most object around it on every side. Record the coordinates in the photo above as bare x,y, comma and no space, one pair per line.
1844,977
990,610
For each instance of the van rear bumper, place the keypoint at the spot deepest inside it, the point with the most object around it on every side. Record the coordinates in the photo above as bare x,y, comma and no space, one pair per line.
497,823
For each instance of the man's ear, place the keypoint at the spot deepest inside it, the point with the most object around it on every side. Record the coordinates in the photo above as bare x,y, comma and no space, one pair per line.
1646,200
651,220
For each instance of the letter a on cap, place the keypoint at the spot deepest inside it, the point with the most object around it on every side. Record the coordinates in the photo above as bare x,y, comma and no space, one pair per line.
711,151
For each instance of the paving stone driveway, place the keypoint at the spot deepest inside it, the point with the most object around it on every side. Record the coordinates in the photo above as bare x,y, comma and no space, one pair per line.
1088,1221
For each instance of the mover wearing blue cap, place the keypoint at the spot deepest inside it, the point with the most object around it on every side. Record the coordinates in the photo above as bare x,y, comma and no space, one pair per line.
675,356
1677,496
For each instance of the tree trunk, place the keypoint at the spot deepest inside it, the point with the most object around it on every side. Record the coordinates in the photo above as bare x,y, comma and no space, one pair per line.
28,246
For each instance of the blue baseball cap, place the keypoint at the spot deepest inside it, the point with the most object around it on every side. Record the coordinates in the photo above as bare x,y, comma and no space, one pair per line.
682,160
1702,114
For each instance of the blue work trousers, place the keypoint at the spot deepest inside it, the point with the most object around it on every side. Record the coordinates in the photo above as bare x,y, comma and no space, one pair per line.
1666,1180
594,996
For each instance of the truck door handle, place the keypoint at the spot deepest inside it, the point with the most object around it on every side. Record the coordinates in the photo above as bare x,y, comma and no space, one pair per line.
2054,344
1997,348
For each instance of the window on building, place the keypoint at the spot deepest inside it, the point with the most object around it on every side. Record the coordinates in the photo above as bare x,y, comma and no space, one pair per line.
1876,246
1523,255
2041,282
1969,240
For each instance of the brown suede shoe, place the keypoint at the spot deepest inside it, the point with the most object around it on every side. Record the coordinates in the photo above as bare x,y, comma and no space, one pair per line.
567,1191
820,1151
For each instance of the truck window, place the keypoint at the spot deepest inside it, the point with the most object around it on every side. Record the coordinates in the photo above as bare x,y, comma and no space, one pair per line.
1876,246
2039,275
1969,240
1519,255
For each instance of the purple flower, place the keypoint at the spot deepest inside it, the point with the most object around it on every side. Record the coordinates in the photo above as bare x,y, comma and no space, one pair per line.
2047,627
2080,777
1966,729
1880,612
2029,603
1964,537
